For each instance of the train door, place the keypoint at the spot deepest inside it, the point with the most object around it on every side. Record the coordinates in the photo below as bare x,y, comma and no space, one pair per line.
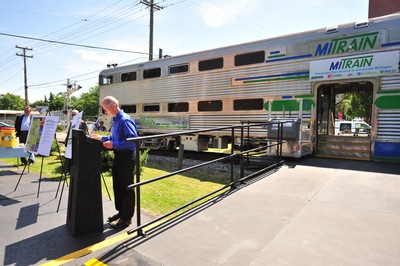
343,101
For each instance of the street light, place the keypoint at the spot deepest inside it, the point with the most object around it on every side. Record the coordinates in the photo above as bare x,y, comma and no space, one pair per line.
114,65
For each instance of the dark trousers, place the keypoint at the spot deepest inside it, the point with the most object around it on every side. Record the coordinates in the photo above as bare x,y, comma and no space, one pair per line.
23,135
122,174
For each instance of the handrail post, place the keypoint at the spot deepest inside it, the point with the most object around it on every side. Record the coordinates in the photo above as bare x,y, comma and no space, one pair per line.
281,140
232,152
248,143
241,149
138,198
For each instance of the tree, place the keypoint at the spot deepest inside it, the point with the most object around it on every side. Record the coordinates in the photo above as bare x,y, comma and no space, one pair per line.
11,102
56,102
360,106
355,105
38,103
89,102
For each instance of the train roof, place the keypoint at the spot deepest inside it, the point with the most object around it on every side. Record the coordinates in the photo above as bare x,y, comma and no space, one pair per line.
294,38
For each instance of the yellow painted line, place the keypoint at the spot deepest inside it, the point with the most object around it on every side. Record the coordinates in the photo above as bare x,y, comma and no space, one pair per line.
94,262
90,249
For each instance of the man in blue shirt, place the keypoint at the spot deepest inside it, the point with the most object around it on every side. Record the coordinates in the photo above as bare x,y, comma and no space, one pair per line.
124,161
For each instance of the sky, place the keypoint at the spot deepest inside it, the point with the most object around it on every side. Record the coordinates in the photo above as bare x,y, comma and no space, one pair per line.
74,40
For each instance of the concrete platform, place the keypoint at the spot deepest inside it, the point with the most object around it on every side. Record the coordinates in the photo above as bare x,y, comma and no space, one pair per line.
311,211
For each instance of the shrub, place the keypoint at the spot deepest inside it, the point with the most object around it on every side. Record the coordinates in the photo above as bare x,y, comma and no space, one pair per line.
54,146
106,161
108,157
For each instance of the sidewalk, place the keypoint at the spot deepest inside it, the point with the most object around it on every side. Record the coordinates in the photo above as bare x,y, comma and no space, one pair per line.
311,211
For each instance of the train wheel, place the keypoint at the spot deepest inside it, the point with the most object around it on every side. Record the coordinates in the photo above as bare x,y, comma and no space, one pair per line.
163,143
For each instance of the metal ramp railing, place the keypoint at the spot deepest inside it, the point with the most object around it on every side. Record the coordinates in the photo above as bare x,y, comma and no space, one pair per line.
232,158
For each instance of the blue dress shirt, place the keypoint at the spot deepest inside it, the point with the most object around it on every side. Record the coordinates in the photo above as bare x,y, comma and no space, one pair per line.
124,127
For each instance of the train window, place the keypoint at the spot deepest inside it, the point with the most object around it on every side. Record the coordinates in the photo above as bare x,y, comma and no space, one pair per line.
151,108
178,69
152,73
249,58
211,64
129,108
128,76
178,107
106,80
209,106
248,104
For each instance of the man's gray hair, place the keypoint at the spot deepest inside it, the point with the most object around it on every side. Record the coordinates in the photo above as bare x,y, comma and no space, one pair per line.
109,100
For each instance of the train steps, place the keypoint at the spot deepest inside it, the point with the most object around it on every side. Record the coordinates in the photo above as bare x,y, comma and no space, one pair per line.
344,147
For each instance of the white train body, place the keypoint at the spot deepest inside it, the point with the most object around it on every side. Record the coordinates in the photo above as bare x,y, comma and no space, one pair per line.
253,81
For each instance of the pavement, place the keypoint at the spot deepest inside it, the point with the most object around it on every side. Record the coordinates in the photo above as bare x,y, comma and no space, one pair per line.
311,211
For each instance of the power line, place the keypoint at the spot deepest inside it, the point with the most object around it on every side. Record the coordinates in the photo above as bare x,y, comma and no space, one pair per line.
56,83
71,44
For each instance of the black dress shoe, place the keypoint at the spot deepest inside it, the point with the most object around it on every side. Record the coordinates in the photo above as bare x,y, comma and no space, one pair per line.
120,223
113,218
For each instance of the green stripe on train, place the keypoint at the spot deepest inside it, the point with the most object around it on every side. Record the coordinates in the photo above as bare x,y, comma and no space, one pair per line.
388,102
289,105
276,79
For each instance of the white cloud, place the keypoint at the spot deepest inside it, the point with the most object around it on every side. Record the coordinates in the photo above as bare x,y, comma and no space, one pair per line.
225,12
92,56
3,92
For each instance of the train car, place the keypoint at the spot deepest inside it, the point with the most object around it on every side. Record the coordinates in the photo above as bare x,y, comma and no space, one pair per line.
300,75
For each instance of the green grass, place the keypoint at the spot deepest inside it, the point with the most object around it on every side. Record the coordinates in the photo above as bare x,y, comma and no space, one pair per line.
163,196
158,198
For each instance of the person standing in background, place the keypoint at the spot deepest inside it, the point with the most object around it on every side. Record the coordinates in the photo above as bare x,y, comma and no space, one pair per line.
82,125
22,124
101,127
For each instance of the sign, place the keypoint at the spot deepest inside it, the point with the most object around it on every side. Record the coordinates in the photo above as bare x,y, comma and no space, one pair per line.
76,120
41,134
347,44
357,66
164,122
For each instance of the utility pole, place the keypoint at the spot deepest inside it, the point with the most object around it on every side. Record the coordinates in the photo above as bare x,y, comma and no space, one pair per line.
25,78
152,8
71,88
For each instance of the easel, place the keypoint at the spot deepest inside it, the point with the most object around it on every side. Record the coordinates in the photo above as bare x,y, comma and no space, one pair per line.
41,167
25,165
66,171
65,180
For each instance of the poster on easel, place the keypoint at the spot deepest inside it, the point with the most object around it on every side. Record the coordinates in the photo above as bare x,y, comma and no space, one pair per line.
41,134
76,120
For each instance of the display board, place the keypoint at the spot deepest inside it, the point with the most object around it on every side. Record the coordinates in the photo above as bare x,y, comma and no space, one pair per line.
74,124
41,134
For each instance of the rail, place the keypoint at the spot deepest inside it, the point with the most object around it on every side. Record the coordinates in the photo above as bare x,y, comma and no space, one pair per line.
242,155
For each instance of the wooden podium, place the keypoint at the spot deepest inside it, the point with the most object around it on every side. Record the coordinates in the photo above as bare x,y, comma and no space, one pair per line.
85,206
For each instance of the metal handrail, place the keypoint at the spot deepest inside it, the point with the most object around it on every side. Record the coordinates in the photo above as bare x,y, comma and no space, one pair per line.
232,184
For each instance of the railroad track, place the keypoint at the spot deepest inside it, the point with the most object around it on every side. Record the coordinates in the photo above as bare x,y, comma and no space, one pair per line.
193,155
251,162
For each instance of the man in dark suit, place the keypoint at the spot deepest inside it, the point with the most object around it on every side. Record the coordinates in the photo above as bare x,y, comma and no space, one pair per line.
22,124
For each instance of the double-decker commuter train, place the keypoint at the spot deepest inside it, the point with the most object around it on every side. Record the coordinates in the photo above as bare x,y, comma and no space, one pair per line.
298,76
